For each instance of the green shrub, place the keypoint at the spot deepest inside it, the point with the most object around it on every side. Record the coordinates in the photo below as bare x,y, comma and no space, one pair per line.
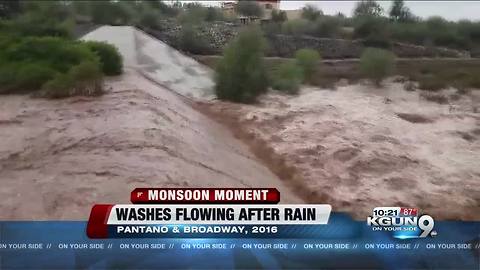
56,53
326,26
431,82
307,59
109,12
88,78
149,19
287,77
110,59
61,86
32,76
296,27
373,30
83,79
376,64
191,41
8,72
241,74
42,18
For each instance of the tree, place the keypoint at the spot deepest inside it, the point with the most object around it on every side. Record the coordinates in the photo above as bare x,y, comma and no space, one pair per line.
367,8
399,12
249,9
241,74
311,12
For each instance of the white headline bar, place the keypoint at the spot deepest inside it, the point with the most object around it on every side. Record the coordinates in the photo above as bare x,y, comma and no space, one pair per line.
293,214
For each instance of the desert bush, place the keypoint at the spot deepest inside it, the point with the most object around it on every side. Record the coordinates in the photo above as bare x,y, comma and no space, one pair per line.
374,31
431,82
149,19
42,18
31,76
110,59
88,78
82,79
27,63
307,60
54,64
241,74
109,12
191,41
377,64
296,27
56,53
287,78
59,87
326,26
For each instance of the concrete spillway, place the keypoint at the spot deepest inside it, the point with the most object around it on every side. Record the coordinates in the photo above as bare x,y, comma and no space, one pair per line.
157,61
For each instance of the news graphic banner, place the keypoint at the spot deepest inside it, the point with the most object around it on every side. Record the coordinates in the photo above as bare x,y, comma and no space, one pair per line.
238,228
205,221
201,216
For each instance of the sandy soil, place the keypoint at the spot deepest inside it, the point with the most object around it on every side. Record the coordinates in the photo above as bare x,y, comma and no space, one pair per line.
358,147
59,157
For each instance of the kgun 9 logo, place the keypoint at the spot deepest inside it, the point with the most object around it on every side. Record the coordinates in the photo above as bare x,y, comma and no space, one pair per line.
403,226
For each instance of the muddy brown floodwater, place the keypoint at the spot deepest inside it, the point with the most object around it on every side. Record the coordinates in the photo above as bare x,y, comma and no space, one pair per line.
358,147
59,157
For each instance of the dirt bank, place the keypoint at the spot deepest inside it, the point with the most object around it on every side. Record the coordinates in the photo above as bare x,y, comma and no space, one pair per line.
358,147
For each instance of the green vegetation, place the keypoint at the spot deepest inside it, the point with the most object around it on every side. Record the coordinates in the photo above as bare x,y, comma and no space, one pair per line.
311,13
367,8
241,74
376,29
37,54
376,64
191,41
287,78
307,60
249,8
400,13
460,73
110,58
82,79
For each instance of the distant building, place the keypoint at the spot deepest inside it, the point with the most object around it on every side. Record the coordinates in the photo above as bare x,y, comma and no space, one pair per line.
229,9
293,14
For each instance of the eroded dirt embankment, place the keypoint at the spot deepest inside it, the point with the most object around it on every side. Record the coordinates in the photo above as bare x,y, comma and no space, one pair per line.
358,147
